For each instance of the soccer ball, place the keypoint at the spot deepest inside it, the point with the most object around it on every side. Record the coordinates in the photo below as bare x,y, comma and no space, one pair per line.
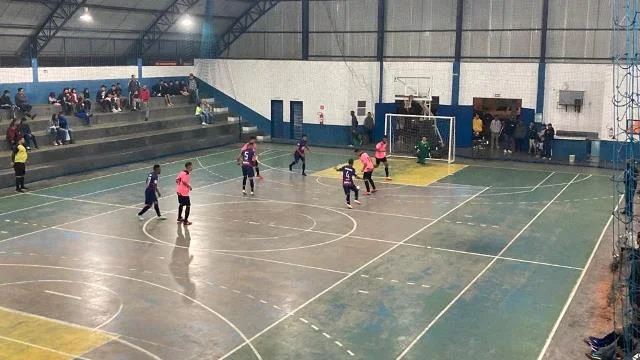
358,187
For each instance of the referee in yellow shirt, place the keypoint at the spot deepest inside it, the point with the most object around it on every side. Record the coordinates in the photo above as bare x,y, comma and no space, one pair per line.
18,161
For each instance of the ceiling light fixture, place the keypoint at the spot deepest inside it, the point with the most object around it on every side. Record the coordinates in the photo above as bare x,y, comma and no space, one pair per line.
86,16
186,21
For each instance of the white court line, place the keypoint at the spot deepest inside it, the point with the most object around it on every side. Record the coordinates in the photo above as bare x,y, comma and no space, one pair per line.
577,285
116,337
542,182
112,174
30,207
202,250
358,270
63,295
72,356
473,281
176,292
164,177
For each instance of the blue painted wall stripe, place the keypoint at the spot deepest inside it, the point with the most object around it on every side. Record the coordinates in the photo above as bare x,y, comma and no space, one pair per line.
455,84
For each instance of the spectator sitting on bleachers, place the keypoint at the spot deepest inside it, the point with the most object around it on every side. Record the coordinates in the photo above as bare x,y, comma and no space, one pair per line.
204,112
60,128
114,98
123,101
165,90
65,101
156,90
5,101
53,99
27,134
184,90
22,102
74,96
102,98
82,113
13,134
86,102
135,101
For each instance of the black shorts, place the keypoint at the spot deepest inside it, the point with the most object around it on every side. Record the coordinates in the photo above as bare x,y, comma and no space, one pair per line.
150,197
383,160
20,168
247,171
349,187
297,157
184,200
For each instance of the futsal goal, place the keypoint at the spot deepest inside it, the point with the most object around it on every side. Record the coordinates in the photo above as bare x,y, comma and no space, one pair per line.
405,131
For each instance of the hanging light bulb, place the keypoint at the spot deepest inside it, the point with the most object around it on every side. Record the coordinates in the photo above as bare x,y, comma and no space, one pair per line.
86,16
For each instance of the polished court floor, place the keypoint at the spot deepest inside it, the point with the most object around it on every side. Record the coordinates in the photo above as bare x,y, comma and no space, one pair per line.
444,262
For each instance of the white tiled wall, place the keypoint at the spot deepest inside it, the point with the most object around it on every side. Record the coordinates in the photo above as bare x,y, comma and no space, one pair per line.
338,85
165,71
439,72
596,80
15,75
509,80
85,73
335,84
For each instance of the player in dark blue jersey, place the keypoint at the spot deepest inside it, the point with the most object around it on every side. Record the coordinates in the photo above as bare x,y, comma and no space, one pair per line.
247,160
348,173
151,194
299,155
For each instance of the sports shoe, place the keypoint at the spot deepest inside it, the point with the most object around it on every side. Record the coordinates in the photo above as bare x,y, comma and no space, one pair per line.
290,168
161,217
114,110
374,190
388,178
357,202
187,223
252,193
260,177
304,174
203,124
180,219
244,192
367,193
140,217
349,206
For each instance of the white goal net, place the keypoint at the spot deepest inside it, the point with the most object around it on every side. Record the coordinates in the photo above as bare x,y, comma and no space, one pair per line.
405,131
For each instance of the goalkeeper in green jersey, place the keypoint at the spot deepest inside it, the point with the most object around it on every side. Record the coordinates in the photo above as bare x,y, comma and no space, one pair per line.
422,150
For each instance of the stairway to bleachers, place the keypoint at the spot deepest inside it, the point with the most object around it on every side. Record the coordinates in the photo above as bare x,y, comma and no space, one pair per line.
120,138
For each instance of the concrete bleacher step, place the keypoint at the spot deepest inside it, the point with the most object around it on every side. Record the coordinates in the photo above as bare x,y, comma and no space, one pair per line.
98,146
80,164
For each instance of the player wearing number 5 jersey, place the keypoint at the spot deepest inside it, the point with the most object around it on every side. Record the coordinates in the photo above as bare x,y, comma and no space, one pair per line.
252,143
247,160
381,155
348,173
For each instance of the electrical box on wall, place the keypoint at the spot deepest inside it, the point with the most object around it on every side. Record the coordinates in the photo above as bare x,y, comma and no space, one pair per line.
572,98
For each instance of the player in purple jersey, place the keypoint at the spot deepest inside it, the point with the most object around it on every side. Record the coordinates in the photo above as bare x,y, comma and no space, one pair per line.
247,159
348,173
151,194
299,154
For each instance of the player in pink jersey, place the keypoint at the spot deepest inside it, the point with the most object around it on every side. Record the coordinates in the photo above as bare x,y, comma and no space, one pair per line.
183,189
367,170
381,155
252,142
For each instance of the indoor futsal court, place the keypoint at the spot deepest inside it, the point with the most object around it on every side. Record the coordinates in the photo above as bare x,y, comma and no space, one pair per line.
441,256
